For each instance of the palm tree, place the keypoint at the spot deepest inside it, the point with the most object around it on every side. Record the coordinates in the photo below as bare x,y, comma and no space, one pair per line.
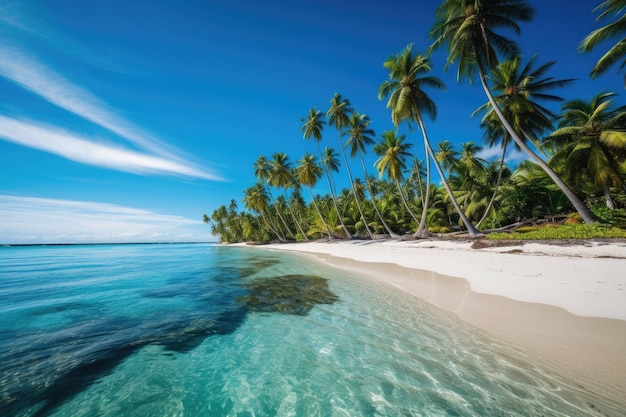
312,128
281,177
392,152
446,155
359,136
518,91
467,28
589,135
617,28
408,101
338,114
262,172
257,199
309,172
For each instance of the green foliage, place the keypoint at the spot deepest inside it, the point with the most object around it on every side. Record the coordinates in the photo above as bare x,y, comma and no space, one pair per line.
616,217
566,231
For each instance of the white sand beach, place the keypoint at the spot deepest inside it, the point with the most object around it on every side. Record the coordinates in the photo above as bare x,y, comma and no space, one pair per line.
564,305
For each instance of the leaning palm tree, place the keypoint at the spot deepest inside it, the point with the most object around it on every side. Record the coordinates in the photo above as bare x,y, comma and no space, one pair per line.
256,199
338,114
590,134
408,101
467,27
281,177
519,91
312,128
614,29
309,172
392,152
359,136
262,172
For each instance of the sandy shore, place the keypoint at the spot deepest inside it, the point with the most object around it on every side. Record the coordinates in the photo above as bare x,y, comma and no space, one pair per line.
565,305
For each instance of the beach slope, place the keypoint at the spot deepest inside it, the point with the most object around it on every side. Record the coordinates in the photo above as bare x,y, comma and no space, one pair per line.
563,304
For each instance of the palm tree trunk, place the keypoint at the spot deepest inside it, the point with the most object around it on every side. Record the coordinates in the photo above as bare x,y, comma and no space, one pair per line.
582,209
280,237
356,198
607,197
468,224
293,215
495,191
406,205
422,230
330,236
374,203
332,194
280,216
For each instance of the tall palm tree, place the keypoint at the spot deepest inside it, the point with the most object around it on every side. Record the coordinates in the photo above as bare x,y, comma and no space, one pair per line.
408,101
392,152
309,172
338,114
519,91
589,135
262,172
614,29
359,137
256,199
467,27
281,177
312,128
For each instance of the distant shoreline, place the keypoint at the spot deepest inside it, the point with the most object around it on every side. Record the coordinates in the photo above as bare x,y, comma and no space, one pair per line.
565,305
105,243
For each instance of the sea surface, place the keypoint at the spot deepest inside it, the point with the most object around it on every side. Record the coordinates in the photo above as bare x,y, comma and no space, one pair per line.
207,330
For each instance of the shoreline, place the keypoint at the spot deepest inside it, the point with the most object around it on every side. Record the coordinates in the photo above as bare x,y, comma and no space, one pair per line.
564,305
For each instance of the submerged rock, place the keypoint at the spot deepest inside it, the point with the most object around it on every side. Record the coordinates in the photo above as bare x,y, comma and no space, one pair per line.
288,294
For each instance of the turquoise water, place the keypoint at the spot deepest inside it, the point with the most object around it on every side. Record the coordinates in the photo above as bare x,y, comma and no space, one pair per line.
161,330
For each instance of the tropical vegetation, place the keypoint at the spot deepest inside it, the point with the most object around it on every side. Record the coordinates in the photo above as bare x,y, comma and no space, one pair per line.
575,172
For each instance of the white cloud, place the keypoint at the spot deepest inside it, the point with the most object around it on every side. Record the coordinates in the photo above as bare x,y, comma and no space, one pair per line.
25,71
495,153
44,220
80,149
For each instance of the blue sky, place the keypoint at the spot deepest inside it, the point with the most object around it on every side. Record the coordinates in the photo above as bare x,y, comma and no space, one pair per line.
125,121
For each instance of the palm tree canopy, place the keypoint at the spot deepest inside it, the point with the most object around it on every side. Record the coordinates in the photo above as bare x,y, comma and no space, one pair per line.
313,124
405,86
338,113
589,136
308,170
446,155
331,159
467,29
280,170
256,198
617,28
359,134
393,152
519,91
261,168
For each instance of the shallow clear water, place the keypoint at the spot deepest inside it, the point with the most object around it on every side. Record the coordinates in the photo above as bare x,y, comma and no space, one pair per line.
160,330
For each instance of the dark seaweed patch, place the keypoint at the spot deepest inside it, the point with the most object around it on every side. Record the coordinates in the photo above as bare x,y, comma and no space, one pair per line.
288,294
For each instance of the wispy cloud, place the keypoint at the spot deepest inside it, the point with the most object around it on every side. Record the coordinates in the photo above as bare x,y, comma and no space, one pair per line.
43,220
20,68
76,148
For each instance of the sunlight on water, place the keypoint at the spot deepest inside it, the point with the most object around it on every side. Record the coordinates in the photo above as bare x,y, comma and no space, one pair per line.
159,330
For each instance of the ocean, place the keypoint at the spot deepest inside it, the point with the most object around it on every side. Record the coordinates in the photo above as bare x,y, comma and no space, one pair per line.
210,330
